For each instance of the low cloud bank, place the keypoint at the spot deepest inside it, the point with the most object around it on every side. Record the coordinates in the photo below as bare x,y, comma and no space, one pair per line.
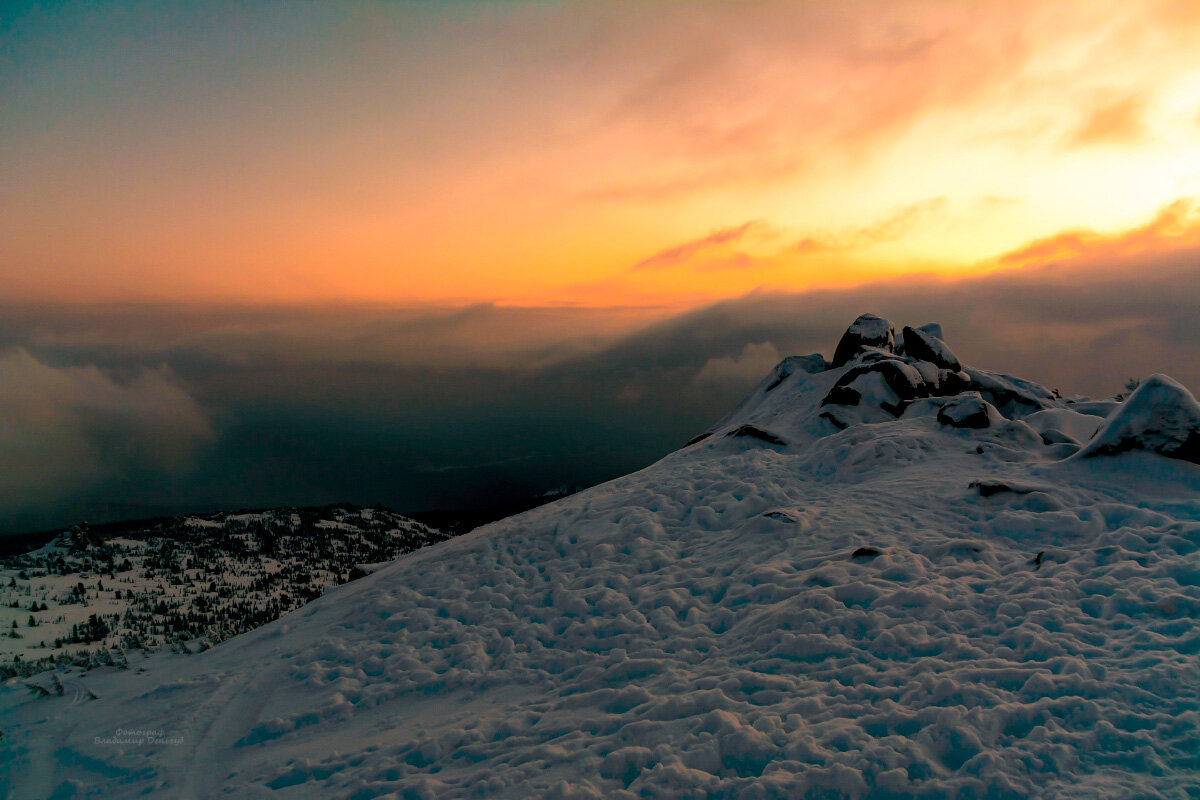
66,430
427,409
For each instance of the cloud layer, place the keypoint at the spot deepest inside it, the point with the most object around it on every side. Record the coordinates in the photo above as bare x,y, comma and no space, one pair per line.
467,407
65,431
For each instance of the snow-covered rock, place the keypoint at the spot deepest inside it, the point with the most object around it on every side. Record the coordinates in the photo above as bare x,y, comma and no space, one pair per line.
1161,416
969,410
793,368
902,381
866,331
924,346
1015,397
891,607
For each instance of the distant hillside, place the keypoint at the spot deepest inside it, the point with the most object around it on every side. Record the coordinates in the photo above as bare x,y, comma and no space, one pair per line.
93,595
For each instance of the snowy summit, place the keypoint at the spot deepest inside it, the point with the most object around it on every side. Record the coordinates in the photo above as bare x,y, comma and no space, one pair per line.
891,575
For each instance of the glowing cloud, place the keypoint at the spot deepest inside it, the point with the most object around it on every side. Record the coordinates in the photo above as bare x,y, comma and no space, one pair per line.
529,153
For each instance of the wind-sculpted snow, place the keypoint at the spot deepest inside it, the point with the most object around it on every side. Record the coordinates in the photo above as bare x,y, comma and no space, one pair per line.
1160,416
900,608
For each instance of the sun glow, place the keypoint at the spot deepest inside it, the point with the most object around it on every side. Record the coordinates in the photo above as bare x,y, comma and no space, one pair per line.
600,167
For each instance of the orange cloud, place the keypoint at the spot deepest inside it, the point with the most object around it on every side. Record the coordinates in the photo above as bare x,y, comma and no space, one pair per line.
437,168
674,256
1175,225
893,226
1114,122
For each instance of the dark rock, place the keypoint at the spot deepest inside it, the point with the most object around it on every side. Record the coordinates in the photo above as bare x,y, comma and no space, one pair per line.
966,411
924,346
1014,397
696,439
865,552
1161,416
754,432
930,374
866,331
951,383
871,355
842,395
990,488
903,379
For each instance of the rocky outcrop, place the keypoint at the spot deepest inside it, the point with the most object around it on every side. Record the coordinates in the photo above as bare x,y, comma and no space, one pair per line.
876,377
1161,416
865,332
903,379
926,368
968,410
1014,397
921,345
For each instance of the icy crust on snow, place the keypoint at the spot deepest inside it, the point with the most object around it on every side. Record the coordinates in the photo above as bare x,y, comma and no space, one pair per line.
896,609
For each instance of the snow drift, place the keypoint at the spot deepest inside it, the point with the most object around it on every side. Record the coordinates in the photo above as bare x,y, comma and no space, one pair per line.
884,579
1160,416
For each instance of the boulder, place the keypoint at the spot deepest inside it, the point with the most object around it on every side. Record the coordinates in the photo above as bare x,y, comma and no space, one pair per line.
842,395
930,374
903,379
1014,397
950,383
1161,416
924,346
866,331
968,410
932,328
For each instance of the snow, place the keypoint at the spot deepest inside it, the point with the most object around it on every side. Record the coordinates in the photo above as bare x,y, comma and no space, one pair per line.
969,410
847,614
1161,416
866,331
222,583
197,522
924,345
870,327
1065,424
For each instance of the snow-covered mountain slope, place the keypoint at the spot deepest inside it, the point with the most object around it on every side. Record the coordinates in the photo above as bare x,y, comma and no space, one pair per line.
911,589
94,598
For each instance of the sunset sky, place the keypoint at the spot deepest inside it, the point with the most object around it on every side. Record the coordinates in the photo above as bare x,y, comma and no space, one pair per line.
440,254
589,153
